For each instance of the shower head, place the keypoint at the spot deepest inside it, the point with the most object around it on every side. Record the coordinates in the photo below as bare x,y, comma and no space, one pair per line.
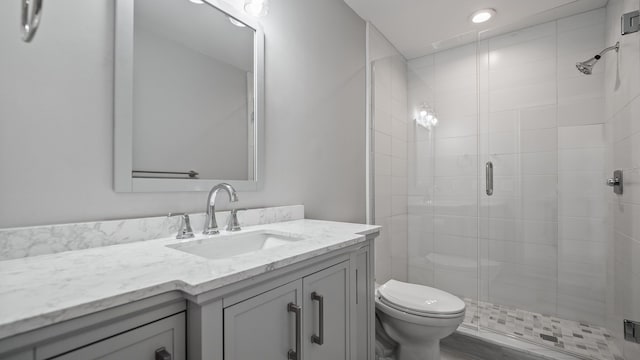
586,67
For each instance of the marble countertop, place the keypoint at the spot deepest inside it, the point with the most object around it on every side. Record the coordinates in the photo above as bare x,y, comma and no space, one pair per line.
48,289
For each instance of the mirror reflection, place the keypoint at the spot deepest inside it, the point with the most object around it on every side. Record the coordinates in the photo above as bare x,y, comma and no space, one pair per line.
193,92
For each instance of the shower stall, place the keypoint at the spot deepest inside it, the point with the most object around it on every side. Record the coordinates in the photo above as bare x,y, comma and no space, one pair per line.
501,198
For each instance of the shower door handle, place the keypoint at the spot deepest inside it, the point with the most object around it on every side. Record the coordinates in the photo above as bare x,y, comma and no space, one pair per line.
489,180
30,19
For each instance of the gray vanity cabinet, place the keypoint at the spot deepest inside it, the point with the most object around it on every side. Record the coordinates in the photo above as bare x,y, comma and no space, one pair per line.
262,327
326,315
164,339
364,305
315,308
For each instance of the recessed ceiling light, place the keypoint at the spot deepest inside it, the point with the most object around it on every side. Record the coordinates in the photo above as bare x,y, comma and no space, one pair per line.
483,15
199,2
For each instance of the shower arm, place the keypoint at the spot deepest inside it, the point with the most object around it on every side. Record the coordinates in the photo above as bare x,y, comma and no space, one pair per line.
615,47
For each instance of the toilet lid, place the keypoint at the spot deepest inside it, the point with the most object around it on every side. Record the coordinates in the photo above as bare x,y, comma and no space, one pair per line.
419,299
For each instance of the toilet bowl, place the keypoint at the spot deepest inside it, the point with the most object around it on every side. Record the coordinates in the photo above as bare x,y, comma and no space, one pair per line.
417,317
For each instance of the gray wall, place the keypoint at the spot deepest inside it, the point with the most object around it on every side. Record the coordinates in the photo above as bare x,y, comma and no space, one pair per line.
56,126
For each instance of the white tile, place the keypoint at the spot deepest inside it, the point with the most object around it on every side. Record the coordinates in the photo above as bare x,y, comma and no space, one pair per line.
538,140
579,21
622,152
399,130
523,35
399,269
463,284
538,117
399,110
460,246
456,225
461,165
399,185
581,136
588,37
398,204
582,252
381,116
523,253
573,89
584,159
503,121
503,143
398,167
382,143
539,163
462,187
535,95
509,74
584,229
523,46
382,193
382,164
456,146
399,148
583,183
580,206
585,111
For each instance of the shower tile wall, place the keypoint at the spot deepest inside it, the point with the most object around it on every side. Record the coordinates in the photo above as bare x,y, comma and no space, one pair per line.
389,95
622,86
543,233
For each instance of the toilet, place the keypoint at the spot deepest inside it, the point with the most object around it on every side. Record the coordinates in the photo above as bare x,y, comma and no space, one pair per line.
417,317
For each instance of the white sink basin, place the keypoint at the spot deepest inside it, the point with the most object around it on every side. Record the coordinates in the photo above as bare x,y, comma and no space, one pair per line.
227,245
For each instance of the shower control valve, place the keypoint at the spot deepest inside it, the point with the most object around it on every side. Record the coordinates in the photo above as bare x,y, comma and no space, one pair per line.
616,182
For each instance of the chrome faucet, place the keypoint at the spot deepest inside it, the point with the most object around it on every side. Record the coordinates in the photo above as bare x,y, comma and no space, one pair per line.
210,224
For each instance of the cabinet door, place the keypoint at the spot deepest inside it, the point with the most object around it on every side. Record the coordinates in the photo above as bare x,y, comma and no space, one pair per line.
364,307
262,327
326,314
139,344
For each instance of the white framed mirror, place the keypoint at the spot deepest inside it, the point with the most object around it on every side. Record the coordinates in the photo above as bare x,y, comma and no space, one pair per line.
189,96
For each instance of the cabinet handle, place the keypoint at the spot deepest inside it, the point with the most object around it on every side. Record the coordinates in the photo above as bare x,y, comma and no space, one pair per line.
297,310
163,354
320,299
489,180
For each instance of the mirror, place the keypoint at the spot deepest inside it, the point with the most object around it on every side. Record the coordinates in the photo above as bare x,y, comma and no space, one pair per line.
188,96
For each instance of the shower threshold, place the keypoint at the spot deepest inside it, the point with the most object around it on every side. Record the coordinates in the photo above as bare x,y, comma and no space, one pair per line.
537,335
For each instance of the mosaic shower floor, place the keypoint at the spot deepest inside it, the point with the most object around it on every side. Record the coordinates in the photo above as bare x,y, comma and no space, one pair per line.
565,335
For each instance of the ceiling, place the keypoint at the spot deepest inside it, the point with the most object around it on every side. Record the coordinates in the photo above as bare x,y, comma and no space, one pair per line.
421,27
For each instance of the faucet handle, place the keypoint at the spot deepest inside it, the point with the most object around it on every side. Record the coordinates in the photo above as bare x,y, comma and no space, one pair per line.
185,231
233,224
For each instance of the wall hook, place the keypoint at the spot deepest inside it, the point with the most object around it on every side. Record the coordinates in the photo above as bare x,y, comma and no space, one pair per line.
31,13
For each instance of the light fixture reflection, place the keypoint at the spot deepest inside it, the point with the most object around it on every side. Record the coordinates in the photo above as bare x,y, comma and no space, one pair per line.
236,22
198,2
427,117
256,8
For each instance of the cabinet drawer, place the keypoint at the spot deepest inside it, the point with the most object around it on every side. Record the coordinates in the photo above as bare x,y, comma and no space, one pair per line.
138,344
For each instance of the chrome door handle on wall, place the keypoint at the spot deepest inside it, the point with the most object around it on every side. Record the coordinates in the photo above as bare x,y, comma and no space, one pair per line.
489,180
297,310
616,182
319,339
30,19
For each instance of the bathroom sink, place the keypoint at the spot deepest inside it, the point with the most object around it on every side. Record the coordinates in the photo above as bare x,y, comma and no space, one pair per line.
227,245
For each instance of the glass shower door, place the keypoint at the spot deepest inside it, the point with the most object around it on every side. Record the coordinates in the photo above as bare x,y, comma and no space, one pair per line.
443,177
